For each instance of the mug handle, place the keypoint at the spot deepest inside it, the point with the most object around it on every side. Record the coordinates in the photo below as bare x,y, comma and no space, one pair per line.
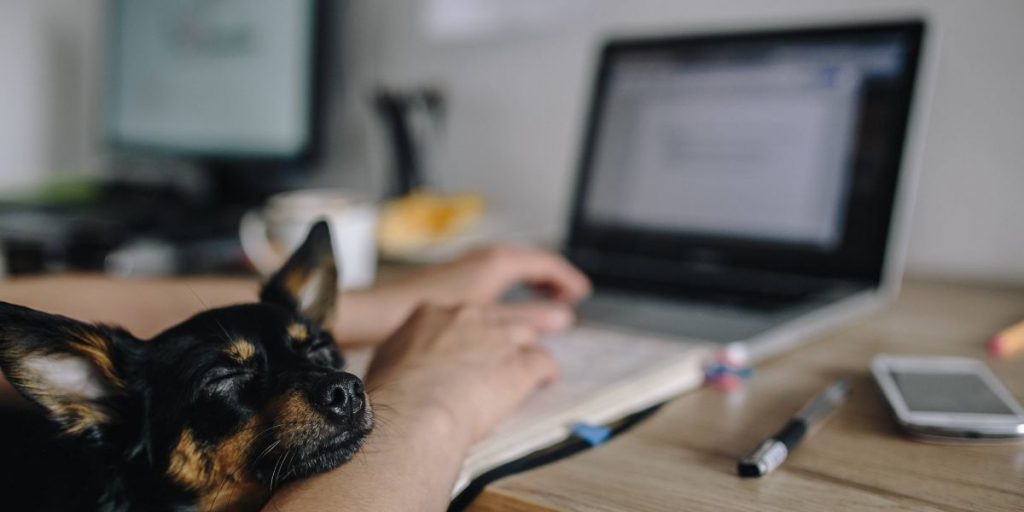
252,233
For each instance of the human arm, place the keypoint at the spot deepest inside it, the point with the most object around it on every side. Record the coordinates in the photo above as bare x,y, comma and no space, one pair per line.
439,384
147,306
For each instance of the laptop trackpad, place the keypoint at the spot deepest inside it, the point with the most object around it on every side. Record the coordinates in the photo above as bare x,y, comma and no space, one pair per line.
682,319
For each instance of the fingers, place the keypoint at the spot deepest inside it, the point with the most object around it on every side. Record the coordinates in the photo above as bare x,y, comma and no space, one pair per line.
537,368
518,334
539,268
520,326
528,369
543,317
512,325
555,274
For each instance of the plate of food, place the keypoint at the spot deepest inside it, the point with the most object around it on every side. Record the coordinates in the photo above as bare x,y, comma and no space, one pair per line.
429,227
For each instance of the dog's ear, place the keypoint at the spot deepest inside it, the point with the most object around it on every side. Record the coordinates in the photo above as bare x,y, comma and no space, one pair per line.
70,368
308,281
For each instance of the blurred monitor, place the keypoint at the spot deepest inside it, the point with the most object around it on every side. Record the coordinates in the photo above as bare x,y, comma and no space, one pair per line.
220,80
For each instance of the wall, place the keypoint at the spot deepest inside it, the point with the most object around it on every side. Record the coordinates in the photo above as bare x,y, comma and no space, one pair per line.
518,97
49,61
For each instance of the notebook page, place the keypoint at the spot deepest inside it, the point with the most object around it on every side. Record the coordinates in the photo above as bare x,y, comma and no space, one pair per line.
590,359
604,375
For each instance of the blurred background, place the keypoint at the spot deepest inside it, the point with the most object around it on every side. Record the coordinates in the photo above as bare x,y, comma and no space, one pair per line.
488,95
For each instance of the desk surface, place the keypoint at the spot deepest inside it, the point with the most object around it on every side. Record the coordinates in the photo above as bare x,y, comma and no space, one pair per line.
684,457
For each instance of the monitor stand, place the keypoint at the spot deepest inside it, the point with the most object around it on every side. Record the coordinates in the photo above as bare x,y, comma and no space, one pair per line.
233,186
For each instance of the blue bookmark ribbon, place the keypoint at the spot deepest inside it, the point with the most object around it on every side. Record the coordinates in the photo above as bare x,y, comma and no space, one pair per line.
592,434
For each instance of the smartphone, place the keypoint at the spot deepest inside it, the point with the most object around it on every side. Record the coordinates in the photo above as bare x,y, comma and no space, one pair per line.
948,398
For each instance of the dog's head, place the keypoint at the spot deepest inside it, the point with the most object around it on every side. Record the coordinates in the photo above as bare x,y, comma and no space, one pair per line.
223,406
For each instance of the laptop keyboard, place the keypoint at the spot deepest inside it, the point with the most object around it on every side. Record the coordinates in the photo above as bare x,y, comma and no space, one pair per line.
763,300
750,301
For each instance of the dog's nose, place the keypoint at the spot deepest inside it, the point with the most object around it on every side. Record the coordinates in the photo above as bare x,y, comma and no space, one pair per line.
338,395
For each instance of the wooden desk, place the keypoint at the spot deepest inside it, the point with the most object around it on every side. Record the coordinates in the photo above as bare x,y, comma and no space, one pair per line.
684,457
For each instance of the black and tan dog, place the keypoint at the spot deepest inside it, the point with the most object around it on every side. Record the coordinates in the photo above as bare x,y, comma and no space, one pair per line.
212,414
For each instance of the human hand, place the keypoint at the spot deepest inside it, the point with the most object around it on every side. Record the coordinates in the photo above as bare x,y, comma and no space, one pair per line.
466,366
481,277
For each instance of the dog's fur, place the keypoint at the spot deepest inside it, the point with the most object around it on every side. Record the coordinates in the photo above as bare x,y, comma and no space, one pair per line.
212,414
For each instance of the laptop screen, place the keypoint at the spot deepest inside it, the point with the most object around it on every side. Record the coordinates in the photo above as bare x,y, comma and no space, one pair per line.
772,151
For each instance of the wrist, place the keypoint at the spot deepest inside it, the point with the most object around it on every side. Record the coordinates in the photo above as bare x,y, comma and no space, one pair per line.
367,317
421,416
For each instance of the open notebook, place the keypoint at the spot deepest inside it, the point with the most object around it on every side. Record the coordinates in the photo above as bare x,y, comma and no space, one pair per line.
605,376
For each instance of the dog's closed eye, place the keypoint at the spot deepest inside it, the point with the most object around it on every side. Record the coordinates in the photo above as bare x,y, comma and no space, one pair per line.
223,380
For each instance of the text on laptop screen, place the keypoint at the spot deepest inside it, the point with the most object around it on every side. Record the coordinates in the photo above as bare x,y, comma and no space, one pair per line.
746,140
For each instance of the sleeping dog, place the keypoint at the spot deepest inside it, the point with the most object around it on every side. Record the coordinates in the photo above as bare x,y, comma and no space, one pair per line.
212,414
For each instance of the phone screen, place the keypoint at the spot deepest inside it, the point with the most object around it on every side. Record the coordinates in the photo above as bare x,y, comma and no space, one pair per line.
948,392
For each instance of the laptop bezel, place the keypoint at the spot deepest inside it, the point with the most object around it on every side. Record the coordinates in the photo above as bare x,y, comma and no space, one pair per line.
601,250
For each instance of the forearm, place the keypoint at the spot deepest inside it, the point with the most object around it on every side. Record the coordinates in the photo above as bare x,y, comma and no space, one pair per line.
366,317
409,462
148,306
143,306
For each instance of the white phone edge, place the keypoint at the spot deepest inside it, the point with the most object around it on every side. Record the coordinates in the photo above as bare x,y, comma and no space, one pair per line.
948,426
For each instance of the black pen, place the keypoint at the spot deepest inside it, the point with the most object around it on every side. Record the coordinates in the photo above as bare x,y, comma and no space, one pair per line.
772,451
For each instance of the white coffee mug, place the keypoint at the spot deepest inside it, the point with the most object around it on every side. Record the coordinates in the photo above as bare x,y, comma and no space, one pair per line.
270,235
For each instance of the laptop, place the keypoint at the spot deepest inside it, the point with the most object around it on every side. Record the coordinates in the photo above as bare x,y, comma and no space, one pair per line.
743,189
